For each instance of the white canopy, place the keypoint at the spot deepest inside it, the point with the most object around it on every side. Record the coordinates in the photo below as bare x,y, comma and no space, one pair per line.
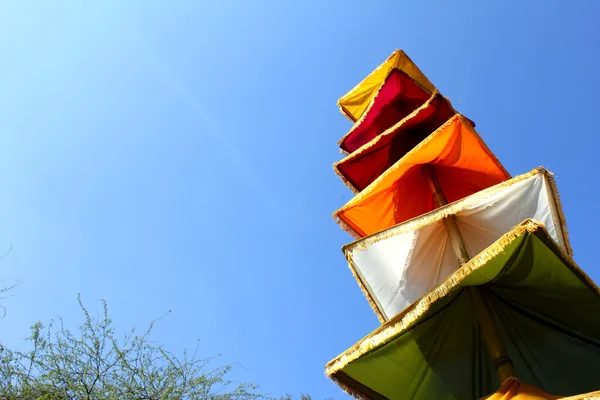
398,265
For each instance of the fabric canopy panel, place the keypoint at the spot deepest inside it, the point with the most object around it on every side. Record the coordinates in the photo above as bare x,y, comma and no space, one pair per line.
397,266
512,389
397,97
364,165
355,102
543,306
462,163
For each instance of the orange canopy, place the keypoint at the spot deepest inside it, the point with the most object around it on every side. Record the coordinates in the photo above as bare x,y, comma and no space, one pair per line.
461,161
397,97
354,103
365,165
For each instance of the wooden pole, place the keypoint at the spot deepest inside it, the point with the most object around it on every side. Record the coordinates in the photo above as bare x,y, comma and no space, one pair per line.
458,243
502,362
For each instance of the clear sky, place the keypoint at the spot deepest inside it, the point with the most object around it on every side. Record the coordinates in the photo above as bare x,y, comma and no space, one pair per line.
177,156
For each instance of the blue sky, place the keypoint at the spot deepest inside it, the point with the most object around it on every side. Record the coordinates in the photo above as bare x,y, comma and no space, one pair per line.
178,157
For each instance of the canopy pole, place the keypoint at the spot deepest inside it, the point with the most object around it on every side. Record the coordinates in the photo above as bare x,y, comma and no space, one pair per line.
502,362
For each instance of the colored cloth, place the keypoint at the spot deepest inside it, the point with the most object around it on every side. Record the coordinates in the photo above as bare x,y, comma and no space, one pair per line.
461,161
513,389
396,98
355,102
397,266
367,163
543,305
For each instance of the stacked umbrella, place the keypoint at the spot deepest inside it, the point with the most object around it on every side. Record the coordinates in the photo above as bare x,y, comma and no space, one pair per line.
469,271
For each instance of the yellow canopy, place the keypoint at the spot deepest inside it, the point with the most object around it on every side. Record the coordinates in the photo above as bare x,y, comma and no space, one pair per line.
354,103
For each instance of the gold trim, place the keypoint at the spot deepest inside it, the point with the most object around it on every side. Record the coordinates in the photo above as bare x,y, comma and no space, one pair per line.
417,75
345,226
584,396
454,208
345,180
559,209
410,315
366,292
389,131
363,116
345,382
437,216
371,188
351,392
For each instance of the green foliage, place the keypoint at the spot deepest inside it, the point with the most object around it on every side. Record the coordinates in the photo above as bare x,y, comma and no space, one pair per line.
302,397
94,363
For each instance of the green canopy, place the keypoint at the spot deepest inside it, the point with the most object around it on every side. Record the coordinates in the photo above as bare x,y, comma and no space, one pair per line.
546,309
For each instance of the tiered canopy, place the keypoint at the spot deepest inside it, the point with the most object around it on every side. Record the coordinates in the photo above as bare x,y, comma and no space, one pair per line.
397,98
397,266
467,308
462,162
541,302
355,102
369,161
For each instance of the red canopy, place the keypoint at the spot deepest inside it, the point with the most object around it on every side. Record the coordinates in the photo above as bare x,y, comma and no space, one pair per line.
397,97
461,162
363,166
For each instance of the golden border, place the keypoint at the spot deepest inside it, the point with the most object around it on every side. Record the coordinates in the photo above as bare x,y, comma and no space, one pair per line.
372,187
404,320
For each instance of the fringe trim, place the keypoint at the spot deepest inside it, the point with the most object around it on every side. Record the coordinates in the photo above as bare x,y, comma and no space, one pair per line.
363,116
439,213
346,113
345,226
459,205
390,131
437,216
372,102
349,391
400,62
384,65
344,178
572,265
585,396
489,152
559,208
377,308
373,187
408,317
394,127
366,292
388,65
456,119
